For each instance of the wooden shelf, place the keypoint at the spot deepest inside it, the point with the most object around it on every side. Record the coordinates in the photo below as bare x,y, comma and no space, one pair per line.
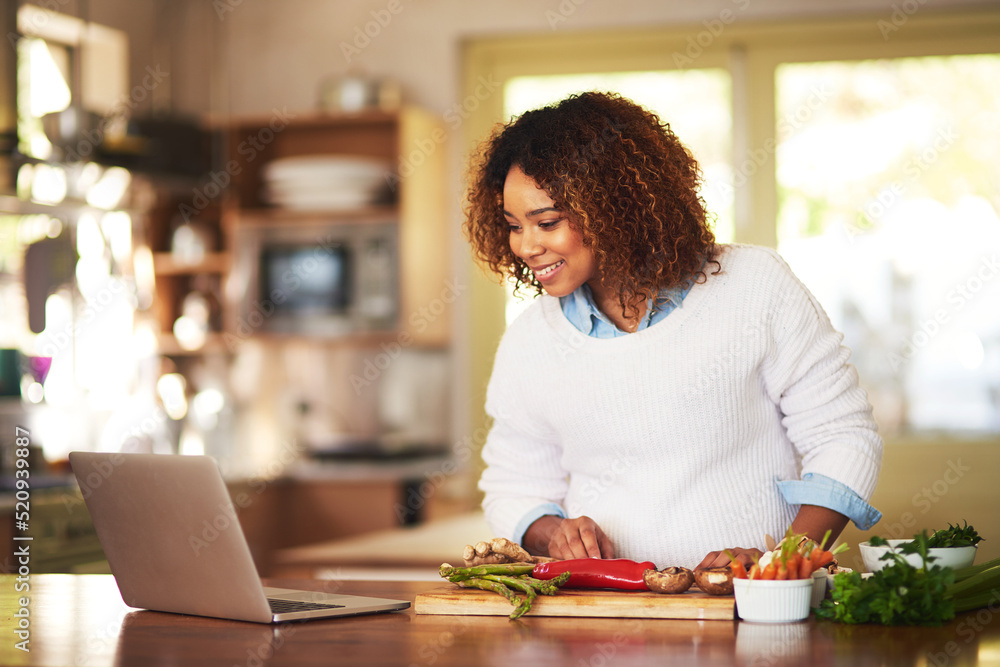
214,343
166,264
265,216
319,119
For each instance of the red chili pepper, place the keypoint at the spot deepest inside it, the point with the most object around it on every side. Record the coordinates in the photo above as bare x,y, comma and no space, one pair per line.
618,573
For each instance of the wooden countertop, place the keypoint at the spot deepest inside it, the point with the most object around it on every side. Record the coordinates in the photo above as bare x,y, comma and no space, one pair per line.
81,620
423,546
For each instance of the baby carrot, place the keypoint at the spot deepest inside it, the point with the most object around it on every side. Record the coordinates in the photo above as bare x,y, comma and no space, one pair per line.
754,572
739,569
793,565
820,558
770,571
805,567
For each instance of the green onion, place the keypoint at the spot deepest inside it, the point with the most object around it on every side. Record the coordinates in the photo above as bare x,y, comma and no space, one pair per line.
964,573
977,601
971,588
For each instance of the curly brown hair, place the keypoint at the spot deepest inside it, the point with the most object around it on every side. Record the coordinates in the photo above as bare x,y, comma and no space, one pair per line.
627,182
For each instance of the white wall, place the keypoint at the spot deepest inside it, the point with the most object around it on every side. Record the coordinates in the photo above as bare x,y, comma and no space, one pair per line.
278,52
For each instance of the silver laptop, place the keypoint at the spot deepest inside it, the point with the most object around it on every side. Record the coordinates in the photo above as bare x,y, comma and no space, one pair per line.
173,542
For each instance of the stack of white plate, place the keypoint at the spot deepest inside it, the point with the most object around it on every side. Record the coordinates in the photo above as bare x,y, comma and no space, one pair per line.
326,182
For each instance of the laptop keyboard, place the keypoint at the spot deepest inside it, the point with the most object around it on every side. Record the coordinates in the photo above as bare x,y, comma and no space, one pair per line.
288,606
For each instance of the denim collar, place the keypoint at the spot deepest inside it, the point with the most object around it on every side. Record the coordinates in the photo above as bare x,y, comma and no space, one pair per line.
582,312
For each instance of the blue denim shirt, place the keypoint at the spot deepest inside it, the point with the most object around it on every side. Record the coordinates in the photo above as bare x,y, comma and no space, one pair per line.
580,309
813,489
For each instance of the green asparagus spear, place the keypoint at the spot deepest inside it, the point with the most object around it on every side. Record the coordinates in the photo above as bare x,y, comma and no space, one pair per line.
545,587
523,608
505,579
493,586
459,573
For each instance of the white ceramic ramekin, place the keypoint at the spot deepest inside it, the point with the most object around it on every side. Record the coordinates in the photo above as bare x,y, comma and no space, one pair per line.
769,601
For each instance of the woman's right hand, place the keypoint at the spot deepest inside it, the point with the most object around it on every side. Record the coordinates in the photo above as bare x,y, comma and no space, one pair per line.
561,538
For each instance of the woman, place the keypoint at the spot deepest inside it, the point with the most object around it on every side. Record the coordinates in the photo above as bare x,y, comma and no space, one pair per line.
667,398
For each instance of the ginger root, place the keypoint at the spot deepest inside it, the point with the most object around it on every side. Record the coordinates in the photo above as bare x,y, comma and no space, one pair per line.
497,551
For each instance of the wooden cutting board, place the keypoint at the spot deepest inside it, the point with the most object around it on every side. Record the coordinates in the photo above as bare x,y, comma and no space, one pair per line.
451,599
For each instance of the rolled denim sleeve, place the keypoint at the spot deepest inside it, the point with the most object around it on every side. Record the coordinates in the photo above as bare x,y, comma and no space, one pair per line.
534,515
823,491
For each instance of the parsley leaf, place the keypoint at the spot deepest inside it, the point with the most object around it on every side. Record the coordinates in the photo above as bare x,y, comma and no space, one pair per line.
898,594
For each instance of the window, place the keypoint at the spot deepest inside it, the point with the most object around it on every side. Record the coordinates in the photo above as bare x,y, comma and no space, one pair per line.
43,82
888,211
79,312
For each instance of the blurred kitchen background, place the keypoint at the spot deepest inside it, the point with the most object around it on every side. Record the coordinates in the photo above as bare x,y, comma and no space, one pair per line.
232,228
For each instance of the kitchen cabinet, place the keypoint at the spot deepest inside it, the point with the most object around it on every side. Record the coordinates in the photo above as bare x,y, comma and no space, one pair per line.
63,538
410,141
320,514
232,198
274,514
182,268
331,383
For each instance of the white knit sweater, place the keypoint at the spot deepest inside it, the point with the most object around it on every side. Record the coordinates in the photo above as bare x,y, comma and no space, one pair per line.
672,439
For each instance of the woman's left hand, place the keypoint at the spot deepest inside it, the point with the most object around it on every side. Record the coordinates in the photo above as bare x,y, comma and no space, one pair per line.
719,558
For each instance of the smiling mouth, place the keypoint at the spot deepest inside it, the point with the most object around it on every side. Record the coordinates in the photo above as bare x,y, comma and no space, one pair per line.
542,273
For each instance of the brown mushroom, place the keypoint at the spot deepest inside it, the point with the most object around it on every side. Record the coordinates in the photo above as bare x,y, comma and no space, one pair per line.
669,579
715,580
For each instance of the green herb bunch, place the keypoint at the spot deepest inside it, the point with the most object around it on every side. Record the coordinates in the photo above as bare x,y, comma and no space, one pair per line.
898,594
953,536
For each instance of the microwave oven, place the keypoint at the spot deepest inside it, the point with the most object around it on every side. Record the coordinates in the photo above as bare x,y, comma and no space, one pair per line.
315,278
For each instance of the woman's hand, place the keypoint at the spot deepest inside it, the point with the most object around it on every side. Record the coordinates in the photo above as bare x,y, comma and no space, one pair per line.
719,558
561,538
